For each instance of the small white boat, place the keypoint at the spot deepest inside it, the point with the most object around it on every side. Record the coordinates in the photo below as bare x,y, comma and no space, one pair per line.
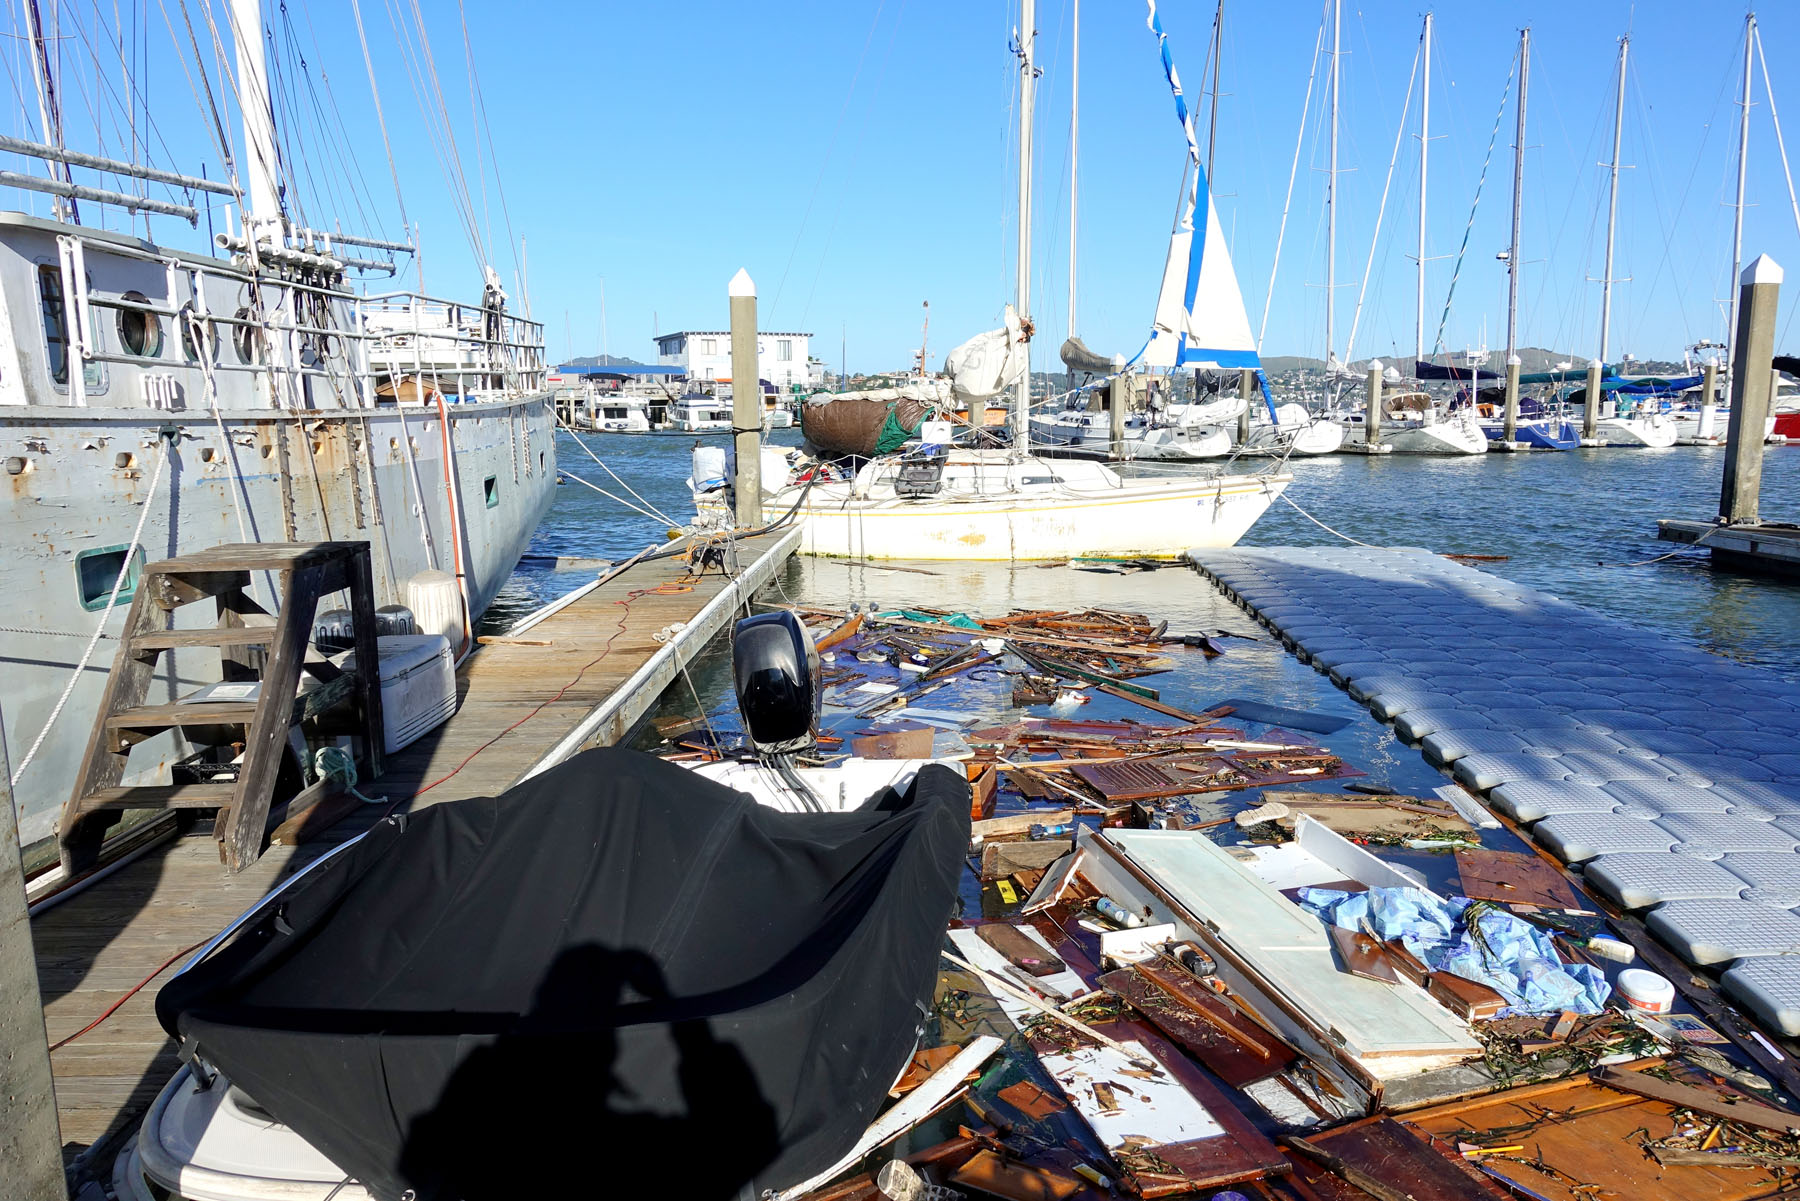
1413,424
1078,433
1639,428
1708,423
617,414
1294,431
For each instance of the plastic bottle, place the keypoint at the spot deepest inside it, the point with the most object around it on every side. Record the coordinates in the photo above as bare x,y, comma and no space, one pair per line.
1039,832
1117,914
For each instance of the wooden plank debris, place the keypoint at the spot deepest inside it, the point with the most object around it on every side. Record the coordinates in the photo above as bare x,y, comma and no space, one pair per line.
1392,1163
1512,878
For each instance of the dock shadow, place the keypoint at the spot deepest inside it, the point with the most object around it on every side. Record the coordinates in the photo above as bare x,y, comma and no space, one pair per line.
546,1110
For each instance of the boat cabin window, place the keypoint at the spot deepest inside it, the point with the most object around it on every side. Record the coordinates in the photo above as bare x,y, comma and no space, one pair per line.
140,332
246,338
491,488
56,330
195,330
97,570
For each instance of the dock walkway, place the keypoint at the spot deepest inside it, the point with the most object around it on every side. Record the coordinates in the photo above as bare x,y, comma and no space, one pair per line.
1669,775
580,676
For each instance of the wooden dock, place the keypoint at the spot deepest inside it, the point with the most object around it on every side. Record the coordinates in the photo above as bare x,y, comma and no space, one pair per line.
578,676
1760,548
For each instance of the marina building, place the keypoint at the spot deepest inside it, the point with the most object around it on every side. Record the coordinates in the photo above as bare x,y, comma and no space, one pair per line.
781,358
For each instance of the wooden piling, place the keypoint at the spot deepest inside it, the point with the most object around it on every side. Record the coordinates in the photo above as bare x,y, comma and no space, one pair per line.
746,402
30,1141
1759,290
1590,415
1246,389
1511,423
1372,417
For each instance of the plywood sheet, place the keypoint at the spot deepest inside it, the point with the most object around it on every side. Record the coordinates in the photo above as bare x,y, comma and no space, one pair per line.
1588,1139
1235,1050
1513,878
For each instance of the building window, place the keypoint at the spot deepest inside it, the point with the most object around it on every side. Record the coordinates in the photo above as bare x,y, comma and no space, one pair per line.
784,351
709,346
96,571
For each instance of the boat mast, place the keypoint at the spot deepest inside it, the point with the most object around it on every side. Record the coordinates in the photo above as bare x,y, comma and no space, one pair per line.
1074,148
264,194
1612,215
1331,174
1212,127
1424,156
1737,223
1027,86
1512,254
49,108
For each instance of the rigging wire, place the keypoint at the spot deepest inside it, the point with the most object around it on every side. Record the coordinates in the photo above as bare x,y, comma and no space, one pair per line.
1293,170
1437,344
1381,210
380,118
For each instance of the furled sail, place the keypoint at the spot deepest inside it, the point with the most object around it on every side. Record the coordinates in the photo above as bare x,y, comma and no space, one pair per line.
988,364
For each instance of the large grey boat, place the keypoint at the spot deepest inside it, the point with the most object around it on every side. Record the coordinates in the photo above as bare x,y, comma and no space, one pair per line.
157,401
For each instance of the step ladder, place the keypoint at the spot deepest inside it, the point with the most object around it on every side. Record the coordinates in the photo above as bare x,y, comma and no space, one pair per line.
269,651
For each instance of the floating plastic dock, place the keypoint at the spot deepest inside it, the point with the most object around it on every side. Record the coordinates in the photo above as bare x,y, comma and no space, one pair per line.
1661,771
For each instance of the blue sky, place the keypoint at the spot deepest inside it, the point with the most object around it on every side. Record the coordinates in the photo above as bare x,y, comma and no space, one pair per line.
858,160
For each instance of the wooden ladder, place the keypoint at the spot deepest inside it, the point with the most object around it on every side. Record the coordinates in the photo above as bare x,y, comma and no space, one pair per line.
262,724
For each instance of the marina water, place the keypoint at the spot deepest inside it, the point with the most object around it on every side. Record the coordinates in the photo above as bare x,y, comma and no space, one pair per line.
1554,516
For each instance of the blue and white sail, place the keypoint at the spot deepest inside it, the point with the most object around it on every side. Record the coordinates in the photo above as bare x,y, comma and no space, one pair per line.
1200,317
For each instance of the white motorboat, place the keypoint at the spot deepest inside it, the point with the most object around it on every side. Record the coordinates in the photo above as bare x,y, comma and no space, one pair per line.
1640,428
205,1139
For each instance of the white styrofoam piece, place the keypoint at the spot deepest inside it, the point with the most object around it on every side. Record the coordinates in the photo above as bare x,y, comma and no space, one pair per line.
1530,800
1717,931
1769,988
1158,1108
1134,944
1638,880
1578,837
1415,724
1764,869
1482,772
1467,807
1447,746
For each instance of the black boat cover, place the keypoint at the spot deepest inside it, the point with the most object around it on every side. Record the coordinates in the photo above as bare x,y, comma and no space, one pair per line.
618,978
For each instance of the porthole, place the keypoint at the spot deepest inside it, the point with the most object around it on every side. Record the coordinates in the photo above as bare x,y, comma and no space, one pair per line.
247,339
140,333
196,330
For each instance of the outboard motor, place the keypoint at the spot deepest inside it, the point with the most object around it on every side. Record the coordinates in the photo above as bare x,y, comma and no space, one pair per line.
776,669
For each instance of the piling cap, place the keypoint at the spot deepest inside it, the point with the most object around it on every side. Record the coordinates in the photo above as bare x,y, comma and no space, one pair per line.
1764,270
1374,364
1595,364
741,284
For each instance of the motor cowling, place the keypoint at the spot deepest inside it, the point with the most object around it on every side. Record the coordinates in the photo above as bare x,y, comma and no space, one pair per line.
776,670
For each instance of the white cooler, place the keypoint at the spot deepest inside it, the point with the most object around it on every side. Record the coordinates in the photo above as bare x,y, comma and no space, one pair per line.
418,684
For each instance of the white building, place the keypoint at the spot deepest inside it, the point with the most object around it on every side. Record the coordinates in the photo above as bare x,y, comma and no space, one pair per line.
781,358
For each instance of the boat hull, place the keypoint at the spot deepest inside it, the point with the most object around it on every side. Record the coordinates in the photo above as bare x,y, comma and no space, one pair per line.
1458,435
86,479
1655,432
1158,521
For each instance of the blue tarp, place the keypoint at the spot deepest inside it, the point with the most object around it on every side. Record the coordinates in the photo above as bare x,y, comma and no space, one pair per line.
1513,957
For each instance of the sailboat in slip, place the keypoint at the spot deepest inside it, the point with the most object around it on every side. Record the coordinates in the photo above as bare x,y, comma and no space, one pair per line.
1009,504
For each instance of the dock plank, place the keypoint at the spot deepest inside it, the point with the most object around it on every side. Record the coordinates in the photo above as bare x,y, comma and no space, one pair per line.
521,708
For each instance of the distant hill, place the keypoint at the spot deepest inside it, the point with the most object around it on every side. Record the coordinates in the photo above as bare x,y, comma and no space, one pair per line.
1292,362
604,360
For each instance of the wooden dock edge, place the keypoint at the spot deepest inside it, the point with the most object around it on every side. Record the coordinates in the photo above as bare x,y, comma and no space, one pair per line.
614,717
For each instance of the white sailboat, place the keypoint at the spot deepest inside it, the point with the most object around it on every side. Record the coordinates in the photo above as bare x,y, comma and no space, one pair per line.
1013,505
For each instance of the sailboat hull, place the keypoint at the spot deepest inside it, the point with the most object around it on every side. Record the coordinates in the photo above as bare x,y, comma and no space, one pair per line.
1655,431
997,507
1459,434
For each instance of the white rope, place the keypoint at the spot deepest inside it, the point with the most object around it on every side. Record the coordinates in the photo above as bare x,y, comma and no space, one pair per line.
1338,533
589,451
100,628
569,475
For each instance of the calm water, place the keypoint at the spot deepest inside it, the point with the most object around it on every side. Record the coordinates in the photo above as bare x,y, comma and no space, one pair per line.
1567,522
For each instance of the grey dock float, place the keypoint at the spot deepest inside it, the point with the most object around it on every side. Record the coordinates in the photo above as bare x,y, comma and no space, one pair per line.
1761,547
1661,771
588,670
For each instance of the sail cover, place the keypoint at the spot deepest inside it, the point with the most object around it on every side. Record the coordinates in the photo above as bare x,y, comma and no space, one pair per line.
616,978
